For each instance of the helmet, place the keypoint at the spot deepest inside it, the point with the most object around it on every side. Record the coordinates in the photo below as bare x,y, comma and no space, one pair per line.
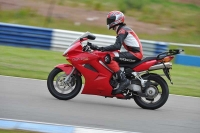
114,18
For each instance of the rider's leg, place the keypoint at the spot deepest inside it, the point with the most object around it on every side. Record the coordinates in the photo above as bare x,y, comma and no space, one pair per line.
123,81
122,57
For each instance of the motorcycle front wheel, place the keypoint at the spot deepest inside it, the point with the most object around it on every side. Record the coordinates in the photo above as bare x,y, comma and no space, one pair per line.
158,92
62,86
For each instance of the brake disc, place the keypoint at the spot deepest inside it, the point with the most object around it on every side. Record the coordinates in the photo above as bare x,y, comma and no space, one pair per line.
151,92
61,84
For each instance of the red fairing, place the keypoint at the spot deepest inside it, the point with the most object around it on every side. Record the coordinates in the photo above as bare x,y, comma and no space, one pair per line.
97,82
145,66
65,67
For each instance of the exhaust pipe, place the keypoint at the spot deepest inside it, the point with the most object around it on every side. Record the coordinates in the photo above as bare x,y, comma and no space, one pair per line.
161,66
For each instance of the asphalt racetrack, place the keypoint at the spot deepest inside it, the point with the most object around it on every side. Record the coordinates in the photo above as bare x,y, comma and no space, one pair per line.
28,99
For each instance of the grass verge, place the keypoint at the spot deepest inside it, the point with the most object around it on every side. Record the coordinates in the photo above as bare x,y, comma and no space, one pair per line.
15,131
35,63
183,19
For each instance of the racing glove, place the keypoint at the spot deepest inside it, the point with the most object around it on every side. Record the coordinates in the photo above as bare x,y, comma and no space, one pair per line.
94,47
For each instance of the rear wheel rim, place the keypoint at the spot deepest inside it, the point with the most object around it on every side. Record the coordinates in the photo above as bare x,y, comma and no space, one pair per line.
160,99
156,97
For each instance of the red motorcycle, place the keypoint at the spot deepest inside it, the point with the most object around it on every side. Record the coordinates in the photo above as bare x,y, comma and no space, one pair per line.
149,90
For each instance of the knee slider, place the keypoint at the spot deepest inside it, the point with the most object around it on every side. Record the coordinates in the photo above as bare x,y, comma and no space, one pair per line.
107,59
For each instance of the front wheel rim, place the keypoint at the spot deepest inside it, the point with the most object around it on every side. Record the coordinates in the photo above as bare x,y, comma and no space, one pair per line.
62,86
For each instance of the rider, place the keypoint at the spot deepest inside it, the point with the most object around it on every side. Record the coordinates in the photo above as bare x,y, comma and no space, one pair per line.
126,37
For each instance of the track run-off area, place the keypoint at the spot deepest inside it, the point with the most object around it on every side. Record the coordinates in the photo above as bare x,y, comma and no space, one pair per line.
30,100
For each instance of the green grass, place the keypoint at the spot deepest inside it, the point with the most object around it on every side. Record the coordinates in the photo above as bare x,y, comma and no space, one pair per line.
183,18
15,131
186,80
27,16
34,63
30,63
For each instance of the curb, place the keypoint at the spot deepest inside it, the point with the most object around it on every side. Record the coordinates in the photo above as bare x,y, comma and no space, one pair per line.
51,127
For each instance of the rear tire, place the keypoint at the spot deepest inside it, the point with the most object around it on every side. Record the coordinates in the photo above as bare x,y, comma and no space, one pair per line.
57,87
163,96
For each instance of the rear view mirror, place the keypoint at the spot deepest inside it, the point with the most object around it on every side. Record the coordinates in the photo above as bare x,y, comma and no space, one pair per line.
91,37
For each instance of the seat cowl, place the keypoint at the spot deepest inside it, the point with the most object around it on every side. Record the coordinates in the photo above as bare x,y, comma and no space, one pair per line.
132,65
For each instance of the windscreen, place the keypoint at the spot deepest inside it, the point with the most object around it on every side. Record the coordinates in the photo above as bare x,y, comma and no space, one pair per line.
82,36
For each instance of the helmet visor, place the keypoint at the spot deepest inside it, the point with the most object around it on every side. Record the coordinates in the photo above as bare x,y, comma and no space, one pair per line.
110,20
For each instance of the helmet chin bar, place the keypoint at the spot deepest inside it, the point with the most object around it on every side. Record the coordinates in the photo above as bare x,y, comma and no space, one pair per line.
108,26
114,27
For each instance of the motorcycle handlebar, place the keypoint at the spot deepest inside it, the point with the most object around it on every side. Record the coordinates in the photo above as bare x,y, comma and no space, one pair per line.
86,48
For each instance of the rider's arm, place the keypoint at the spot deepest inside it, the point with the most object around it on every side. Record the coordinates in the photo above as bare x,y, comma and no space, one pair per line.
118,43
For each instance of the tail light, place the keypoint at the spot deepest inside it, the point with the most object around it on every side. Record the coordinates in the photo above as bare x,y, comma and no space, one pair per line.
167,59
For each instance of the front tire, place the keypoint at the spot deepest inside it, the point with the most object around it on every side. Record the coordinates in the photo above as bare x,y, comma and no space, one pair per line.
162,93
61,89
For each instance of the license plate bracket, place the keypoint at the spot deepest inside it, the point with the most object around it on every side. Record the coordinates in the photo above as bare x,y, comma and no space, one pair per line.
167,73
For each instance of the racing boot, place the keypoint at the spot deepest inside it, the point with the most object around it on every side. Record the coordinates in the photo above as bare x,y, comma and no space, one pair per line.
123,82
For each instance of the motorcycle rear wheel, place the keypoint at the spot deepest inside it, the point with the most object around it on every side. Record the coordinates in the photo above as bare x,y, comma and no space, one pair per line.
59,88
163,94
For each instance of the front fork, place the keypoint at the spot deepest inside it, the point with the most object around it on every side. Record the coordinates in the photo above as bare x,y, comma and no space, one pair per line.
69,75
68,69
